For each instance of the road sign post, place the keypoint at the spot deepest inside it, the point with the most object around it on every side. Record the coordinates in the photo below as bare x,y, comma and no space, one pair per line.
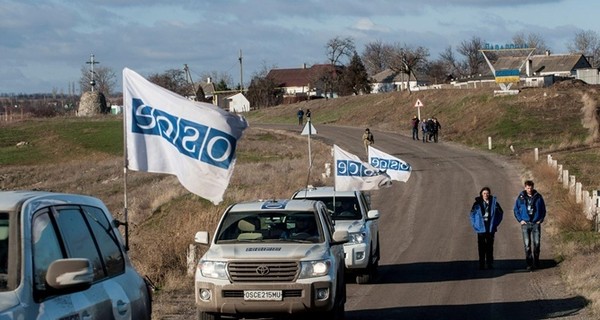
418,105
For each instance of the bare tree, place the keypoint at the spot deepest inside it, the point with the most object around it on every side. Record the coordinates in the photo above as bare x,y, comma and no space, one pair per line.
531,40
222,80
406,59
338,48
263,91
588,44
173,80
104,79
376,56
455,67
438,71
473,58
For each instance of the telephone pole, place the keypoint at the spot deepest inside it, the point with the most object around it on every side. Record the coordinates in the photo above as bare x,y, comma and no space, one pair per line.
241,74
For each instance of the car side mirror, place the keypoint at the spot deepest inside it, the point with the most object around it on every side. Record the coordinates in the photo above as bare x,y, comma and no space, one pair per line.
70,274
373,214
340,237
201,237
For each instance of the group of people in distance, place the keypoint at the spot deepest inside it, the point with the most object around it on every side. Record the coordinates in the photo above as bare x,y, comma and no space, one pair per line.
301,114
429,129
529,211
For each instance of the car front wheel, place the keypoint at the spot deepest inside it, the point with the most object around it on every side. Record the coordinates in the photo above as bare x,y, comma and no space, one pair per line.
208,316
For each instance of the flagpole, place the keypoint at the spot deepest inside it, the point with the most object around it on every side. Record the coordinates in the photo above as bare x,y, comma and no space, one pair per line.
309,153
125,164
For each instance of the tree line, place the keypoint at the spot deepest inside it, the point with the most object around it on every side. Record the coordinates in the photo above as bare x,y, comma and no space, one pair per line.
350,70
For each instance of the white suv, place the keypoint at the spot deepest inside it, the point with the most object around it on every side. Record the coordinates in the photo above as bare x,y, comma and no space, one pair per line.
350,211
62,257
270,258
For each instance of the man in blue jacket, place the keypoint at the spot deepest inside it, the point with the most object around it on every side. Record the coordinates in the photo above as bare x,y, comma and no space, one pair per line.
530,211
486,215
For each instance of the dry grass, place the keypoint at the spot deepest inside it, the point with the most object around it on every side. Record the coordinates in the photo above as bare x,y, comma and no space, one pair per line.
574,241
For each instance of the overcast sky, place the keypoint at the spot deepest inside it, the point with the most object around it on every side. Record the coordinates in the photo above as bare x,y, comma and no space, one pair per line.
45,43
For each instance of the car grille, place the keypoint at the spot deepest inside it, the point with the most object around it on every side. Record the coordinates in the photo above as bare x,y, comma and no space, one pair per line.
263,271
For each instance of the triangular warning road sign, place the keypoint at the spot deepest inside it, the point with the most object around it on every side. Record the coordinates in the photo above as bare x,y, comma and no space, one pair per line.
308,129
419,104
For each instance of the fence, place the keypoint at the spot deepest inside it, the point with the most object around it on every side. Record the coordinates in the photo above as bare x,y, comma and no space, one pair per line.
589,199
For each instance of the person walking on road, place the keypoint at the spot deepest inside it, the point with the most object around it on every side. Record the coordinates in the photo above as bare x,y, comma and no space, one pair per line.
530,212
300,115
368,140
435,128
486,215
415,127
308,115
424,130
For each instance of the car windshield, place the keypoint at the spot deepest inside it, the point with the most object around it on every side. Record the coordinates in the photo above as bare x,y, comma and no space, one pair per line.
280,226
3,251
346,208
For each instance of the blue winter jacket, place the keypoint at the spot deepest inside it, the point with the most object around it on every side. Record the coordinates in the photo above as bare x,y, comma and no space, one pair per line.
477,221
539,208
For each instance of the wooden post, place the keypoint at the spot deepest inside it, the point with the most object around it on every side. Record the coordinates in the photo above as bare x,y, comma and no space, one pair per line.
191,260
560,170
572,184
565,178
578,193
536,154
490,143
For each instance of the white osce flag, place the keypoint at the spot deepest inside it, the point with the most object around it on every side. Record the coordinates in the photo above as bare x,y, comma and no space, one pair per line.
397,169
353,174
167,133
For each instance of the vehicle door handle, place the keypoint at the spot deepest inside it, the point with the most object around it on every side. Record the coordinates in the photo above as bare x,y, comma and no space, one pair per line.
86,316
122,307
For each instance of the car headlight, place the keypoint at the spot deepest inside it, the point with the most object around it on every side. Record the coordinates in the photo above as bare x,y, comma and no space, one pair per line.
213,269
317,268
358,237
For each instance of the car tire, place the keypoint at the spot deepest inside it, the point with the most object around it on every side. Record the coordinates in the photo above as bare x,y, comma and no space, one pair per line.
208,316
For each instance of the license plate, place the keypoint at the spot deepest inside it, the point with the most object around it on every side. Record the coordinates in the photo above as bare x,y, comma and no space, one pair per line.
274,295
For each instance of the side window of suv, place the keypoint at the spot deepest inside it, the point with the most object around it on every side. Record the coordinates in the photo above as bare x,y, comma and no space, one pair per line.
109,244
77,238
46,247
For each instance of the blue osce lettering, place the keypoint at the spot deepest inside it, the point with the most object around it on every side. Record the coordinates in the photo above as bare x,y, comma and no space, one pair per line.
197,141
389,164
354,169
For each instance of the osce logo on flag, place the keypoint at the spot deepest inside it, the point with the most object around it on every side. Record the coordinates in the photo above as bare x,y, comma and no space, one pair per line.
354,169
192,139
389,164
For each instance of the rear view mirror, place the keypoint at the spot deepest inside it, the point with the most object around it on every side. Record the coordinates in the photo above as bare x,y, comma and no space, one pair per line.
70,274
201,237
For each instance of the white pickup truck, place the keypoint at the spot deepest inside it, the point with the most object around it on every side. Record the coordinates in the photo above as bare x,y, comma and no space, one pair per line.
270,258
350,211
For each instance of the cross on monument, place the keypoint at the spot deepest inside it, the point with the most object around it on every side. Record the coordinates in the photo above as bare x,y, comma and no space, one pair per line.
92,63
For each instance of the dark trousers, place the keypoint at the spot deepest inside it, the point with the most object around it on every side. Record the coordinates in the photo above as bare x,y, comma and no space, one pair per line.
485,246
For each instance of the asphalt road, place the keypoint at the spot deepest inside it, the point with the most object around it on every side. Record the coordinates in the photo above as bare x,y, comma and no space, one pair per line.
429,265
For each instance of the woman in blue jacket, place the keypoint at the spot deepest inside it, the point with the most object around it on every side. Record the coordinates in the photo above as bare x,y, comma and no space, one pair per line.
486,215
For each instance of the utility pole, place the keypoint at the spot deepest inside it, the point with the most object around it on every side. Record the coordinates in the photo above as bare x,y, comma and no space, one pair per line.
241,74
92,63
188,78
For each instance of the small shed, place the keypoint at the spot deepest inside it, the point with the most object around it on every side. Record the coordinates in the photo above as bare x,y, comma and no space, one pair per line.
238,103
